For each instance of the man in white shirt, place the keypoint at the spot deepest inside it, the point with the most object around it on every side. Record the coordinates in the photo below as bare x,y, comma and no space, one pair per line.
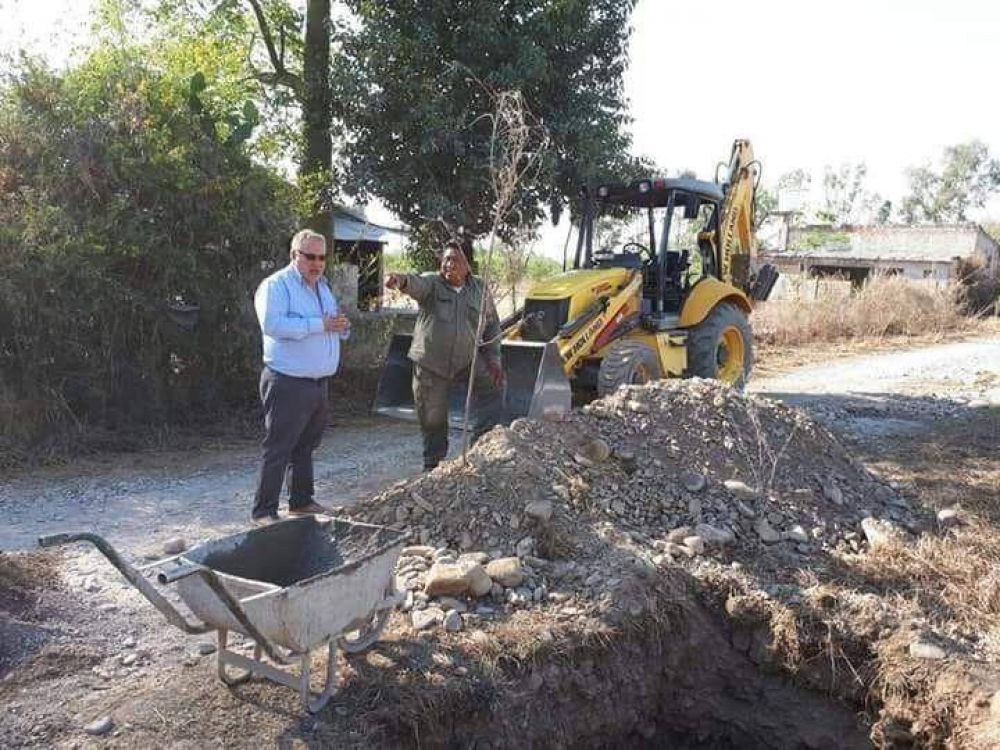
302,329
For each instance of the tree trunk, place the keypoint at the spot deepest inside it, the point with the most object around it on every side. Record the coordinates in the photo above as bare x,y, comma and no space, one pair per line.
317,118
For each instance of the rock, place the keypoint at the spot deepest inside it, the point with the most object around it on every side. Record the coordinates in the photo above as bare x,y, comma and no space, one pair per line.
422,619
92,584
832,492
693,481
925,650
637,407
745,510
525,547
796,534
453,621
453,579
99,726
448,603
465,540
714,535
506,571
694,508
540,510
480,558
174,546
418,551
205,648
948,517
740,489
419,501
766,533
676,536
597,450
696,544
128,660
880,531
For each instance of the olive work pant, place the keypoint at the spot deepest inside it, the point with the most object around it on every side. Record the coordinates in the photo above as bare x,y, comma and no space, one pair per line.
431,396
295,412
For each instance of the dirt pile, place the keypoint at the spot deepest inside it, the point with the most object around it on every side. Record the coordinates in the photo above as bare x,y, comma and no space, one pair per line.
640,509
671,472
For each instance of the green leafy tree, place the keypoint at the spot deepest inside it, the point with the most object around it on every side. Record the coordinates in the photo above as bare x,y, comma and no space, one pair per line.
967,178
133,230
414,82
845,200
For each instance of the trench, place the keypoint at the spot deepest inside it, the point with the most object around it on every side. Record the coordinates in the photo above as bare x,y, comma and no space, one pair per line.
672,679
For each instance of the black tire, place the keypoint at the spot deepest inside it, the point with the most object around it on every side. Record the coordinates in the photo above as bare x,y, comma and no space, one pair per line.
627,363
708,353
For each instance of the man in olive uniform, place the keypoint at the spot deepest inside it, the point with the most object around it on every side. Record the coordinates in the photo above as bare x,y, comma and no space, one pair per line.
444,339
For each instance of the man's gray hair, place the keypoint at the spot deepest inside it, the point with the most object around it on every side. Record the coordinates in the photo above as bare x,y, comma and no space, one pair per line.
302,237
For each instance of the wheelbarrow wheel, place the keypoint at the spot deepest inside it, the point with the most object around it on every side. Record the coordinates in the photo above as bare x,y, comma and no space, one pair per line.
364,633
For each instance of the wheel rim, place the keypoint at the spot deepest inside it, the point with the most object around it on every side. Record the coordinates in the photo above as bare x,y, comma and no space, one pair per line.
730,355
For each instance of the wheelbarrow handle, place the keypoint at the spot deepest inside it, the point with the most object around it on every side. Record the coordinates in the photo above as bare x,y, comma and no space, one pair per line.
177,573
132,575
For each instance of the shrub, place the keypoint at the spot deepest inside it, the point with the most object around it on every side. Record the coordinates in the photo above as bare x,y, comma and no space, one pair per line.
133,230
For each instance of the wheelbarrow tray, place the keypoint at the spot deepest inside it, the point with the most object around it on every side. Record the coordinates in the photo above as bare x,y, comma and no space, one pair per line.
299,582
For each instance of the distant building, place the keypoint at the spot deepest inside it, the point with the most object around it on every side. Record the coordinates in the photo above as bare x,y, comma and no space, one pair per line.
914,252
360,242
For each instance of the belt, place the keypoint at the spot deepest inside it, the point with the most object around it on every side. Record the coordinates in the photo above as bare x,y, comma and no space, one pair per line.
316,381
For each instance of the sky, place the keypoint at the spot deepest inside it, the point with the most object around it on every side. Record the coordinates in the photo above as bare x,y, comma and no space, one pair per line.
810,83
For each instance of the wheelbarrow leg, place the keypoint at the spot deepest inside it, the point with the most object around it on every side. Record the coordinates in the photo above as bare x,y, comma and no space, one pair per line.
330,686
224,661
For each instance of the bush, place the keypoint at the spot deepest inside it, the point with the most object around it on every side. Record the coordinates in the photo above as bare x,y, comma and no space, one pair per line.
133,231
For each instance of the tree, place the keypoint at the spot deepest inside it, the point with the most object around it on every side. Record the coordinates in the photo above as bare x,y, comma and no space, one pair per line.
287,48
845,200
415,80
969,175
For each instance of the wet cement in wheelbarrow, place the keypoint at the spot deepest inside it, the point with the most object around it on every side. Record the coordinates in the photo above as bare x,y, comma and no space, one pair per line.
287,553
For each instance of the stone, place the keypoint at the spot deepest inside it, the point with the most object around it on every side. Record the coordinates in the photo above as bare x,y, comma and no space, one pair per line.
422,619
765,531
832,492
693,481
174,546
525,547
796,534
451,579
676,536
714,535
506,571
696,544
540,510
925,650
100,726
205,648
453,621
948,517
92,584
879,532
448,603
739,489
597,450
418,551
637,407
745,510
128,660
465,540
419,501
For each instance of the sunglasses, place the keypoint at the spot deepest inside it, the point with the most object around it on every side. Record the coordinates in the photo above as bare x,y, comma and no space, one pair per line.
313,256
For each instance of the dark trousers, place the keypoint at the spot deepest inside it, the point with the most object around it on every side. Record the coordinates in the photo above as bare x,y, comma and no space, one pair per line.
431,395
294,417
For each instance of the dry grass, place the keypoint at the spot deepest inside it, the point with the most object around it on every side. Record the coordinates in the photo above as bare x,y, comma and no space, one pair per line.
886,306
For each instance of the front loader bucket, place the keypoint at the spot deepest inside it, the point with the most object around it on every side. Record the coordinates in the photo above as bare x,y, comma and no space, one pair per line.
394,397
537,385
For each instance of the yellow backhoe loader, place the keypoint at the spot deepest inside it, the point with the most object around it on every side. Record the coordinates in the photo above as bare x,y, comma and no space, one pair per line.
667,303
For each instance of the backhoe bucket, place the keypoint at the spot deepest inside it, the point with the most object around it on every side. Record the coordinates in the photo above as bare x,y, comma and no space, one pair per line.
394,397
537,386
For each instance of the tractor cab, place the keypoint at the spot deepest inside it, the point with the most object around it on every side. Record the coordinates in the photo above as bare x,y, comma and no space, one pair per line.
674,233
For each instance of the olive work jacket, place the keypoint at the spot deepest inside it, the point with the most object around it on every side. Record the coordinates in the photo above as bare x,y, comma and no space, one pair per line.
444,335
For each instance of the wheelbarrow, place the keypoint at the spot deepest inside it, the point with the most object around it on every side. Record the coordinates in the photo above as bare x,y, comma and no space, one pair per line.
291,587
